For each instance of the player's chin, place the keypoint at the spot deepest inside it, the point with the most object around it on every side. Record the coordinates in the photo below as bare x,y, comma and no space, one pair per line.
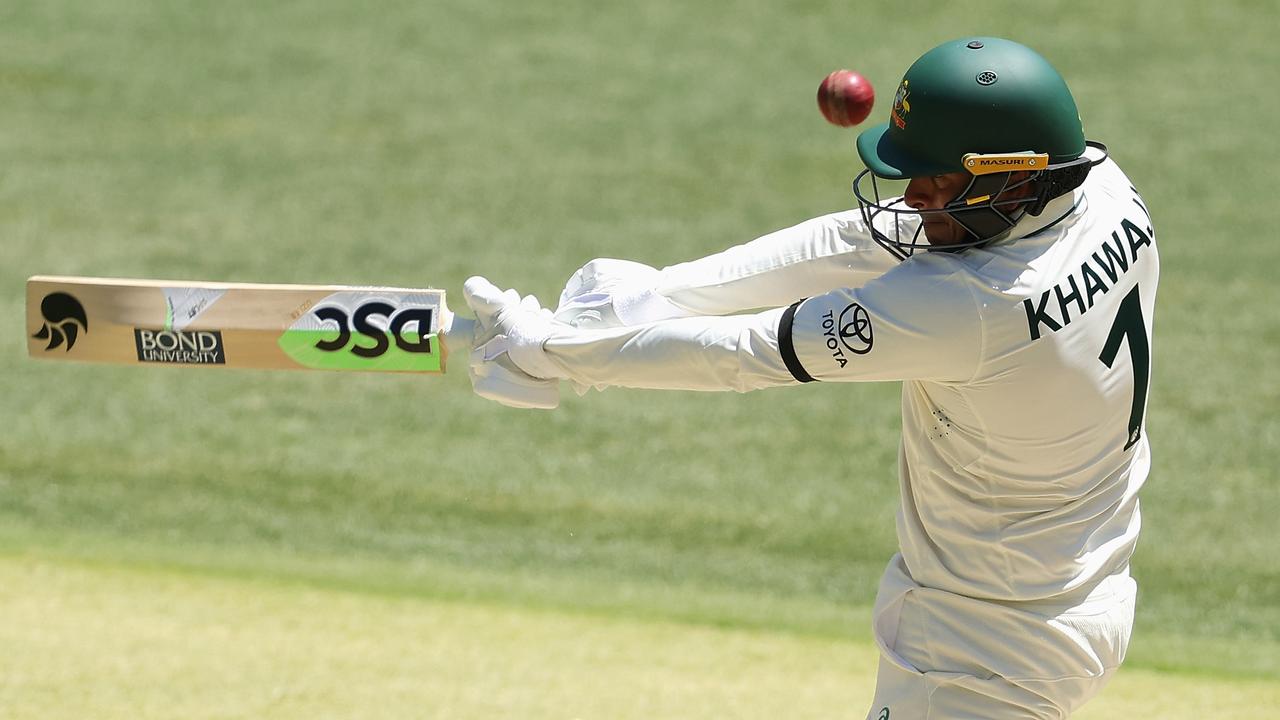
941,232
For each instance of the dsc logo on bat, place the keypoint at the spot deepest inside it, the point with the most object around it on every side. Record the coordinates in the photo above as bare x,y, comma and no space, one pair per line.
395,333
360,321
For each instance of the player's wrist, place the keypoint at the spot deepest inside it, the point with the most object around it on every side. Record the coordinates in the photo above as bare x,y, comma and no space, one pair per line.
646,305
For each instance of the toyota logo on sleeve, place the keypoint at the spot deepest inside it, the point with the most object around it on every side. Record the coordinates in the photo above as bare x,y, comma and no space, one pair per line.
855,331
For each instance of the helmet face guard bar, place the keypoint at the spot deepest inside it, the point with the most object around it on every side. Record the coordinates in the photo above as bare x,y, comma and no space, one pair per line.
978,208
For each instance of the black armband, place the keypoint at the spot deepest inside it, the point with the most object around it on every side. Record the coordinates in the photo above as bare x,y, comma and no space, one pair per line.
788,348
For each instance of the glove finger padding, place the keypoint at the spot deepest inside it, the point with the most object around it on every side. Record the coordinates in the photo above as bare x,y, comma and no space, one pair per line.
487,301
509,338
502,382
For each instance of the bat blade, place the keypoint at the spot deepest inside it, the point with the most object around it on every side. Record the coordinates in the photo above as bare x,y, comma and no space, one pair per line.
244,325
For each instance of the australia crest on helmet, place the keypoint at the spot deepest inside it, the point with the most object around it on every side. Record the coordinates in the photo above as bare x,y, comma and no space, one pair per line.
901,105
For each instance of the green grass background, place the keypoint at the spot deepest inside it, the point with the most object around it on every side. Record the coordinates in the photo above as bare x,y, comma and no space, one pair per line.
251,544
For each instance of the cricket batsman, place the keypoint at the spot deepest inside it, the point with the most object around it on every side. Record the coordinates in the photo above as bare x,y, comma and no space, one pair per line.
1010,289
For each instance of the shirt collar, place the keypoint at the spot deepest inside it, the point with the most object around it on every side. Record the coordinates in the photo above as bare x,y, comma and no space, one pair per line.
1057,210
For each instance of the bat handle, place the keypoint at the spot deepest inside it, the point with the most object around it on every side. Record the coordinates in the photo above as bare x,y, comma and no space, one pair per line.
458,333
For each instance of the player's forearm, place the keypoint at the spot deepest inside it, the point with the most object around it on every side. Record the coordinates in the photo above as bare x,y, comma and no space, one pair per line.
779,268
703,353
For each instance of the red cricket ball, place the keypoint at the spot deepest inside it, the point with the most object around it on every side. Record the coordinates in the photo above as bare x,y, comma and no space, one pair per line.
845,98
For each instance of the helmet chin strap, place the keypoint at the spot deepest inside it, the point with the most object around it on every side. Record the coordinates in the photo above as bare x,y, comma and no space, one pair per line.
977,211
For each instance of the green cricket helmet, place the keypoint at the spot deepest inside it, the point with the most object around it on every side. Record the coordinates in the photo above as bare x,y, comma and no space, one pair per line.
985,106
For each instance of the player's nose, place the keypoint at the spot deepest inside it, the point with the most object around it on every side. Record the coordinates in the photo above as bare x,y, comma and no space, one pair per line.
916,196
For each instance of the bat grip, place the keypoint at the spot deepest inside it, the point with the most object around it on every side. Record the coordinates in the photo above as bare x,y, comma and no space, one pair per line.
458,333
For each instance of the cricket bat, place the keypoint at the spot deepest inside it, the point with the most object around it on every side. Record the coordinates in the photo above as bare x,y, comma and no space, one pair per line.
241,325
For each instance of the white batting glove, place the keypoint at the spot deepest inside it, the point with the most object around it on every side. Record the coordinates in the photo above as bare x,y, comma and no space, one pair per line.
508,364
499,381
607,293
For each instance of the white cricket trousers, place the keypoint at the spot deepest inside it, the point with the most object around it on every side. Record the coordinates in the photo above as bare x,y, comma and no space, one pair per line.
949,657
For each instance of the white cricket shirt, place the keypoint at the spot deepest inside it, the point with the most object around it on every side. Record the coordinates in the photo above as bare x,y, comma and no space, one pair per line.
1024,364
